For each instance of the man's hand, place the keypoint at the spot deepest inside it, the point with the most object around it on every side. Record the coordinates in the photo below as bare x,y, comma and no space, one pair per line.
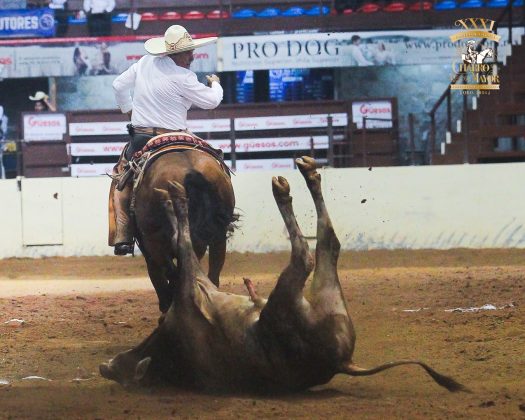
213,78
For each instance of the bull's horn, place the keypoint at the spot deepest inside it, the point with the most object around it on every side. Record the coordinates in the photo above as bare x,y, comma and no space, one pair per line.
176,189
162,193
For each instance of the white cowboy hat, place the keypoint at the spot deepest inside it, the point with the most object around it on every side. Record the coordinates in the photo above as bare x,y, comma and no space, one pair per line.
176,39
38,96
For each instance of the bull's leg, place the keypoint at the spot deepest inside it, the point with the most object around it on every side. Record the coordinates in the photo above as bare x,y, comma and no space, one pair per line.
189,267
328,246
291,281
217,254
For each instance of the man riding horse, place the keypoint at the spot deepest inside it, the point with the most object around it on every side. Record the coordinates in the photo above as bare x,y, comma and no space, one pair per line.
163,90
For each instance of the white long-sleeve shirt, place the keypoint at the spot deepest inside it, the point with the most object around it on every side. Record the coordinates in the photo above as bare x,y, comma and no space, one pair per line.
358,56
162,93
99,6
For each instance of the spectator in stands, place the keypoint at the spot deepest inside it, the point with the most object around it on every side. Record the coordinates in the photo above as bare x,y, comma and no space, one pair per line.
42,102
3,136
81,62
356,52
60,8
164,88
99,16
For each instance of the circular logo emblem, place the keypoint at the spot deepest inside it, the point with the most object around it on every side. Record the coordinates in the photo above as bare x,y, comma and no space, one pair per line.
47,21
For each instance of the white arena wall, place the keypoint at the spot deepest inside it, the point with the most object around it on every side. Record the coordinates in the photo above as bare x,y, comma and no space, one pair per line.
439,207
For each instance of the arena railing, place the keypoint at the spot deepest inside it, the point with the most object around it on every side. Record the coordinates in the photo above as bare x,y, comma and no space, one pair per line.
447,94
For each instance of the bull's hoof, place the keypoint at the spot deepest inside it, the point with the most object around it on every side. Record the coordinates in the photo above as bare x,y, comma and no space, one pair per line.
308,166
281,189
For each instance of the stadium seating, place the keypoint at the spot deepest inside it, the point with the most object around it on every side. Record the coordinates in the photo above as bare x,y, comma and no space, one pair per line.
217,14
497,3
119,18
421,5
369,8
293,11
269,12
471,4
193,15
77,19
317,11
396,6
244,14
445,5
149,17
170,16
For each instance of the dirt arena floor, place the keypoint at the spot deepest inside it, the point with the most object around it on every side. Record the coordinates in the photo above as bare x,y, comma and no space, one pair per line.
78,312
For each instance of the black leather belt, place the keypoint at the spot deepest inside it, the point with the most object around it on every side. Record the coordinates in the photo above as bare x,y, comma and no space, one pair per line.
154,131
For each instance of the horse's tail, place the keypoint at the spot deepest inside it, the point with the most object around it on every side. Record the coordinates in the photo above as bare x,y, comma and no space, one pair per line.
210,217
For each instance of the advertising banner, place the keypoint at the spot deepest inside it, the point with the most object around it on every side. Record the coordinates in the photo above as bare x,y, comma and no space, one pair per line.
119,127
262,164
209,126
375,110
102,169
271,144
220,124
290,121
241,145
25,23
342,49
83,57
95,169
98,128
96,149
44,126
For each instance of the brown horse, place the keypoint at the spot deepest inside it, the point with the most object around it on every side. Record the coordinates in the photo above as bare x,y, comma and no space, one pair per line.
211,216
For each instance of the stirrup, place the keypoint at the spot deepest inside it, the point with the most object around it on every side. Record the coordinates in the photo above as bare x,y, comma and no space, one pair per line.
124,248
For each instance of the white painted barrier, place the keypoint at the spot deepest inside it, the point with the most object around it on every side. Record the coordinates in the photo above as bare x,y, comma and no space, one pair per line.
440,207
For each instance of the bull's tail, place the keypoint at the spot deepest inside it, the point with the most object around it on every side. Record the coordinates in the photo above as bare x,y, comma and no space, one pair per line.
445,381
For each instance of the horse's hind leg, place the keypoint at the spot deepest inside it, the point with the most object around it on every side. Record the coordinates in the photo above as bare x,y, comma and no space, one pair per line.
291,281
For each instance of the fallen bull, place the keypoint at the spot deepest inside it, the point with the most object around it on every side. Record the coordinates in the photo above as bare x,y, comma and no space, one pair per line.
218,341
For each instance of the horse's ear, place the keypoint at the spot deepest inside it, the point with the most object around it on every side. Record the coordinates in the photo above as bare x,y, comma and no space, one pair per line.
163,194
